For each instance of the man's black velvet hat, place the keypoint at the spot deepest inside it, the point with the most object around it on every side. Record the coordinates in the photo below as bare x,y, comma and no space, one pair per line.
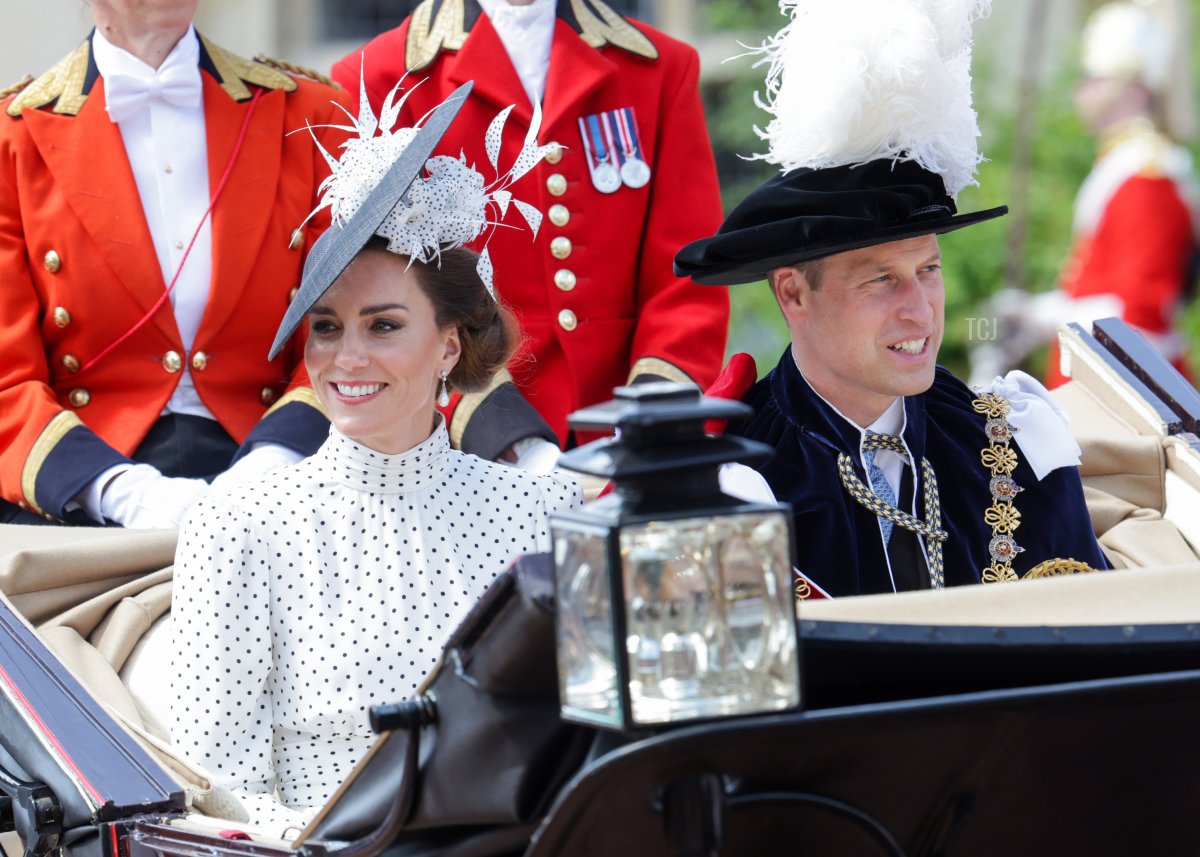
812,213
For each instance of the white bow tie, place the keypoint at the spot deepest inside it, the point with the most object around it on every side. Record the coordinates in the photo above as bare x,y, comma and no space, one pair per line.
178,84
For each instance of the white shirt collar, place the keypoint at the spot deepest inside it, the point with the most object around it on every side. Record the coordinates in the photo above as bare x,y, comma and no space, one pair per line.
112,60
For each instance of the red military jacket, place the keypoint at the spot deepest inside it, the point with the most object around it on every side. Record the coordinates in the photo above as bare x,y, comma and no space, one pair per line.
594,292
78,270
1135,237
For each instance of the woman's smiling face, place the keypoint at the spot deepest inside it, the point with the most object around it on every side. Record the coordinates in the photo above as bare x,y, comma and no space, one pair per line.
375,353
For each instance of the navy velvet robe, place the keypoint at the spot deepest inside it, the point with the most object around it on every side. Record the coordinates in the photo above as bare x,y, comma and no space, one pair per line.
838,541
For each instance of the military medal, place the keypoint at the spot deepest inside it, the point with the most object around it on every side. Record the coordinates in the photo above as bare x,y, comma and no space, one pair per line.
635,172
600,154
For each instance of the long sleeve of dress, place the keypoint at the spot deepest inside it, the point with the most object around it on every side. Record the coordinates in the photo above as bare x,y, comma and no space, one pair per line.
221,715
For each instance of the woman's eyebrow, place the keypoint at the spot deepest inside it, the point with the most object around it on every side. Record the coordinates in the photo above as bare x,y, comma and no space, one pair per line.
374,310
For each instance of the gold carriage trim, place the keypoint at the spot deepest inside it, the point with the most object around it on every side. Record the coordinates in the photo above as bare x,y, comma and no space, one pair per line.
803,589
1057,568
930,528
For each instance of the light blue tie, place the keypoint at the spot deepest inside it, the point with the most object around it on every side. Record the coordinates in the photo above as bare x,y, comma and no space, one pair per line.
882,489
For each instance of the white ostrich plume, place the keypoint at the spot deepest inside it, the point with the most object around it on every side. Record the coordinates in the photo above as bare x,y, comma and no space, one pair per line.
449,205
853,81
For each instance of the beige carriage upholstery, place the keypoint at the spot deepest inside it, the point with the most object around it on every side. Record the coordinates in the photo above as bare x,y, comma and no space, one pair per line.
1142,484
92,594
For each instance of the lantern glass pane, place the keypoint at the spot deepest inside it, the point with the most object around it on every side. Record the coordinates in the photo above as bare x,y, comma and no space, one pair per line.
711,623
587,666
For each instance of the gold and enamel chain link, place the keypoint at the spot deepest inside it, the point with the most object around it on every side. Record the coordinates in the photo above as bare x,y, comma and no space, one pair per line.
930,528
1001,460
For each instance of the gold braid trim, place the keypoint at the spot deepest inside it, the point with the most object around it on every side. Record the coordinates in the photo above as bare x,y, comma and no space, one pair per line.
233,70
64,82
16,87
297,70
304,395
604,26
661,368
930,528
468,404
428,36
51,436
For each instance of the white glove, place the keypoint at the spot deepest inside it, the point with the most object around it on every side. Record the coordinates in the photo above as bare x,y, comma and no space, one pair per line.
142,498
536,455
259,461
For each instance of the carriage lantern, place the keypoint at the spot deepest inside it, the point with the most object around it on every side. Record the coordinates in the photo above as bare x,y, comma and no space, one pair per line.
673,599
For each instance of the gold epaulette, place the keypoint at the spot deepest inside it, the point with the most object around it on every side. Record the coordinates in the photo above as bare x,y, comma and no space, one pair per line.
438,25
63,82
16,87
599,25
297,70
235,72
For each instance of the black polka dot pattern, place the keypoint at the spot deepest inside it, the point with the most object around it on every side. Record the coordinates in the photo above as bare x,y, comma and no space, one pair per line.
327,588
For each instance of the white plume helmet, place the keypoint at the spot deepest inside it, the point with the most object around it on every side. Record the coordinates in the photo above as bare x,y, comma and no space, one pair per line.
853,81
1126,40
449,205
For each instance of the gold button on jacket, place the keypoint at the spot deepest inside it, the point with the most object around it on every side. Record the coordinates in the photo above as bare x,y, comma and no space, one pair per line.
267,395
555,153
52,261
567,320
70,362
172,362
560,215
199,361
556,184
61,317
79,397
564,279
560,247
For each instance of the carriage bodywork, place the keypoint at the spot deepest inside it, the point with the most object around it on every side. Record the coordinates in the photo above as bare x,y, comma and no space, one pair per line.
1045,716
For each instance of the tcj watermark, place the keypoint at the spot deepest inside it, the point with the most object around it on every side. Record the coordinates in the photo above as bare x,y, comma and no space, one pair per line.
983,329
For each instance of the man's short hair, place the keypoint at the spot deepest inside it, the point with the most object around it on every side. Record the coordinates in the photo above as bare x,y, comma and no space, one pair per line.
812,269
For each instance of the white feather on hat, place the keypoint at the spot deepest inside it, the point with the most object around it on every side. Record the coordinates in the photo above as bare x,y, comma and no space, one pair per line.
853,81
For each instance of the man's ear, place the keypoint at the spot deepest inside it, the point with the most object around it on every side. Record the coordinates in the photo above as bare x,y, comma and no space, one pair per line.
791,291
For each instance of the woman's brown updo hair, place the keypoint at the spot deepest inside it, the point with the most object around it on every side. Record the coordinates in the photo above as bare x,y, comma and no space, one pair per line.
487,331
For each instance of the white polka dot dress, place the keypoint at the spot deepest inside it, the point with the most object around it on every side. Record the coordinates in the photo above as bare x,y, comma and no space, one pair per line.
329,587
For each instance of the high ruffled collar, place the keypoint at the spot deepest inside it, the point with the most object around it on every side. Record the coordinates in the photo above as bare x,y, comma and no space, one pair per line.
363,469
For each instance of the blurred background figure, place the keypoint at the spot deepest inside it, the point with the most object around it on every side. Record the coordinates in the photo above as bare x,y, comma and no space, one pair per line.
1135,225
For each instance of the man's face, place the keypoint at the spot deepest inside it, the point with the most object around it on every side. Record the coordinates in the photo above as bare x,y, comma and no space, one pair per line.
871,329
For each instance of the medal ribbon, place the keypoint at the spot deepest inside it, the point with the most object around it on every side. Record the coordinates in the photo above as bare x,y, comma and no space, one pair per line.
601,151
628,139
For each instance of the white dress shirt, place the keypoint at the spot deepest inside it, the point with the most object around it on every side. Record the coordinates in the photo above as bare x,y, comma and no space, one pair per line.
526,32
168,151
